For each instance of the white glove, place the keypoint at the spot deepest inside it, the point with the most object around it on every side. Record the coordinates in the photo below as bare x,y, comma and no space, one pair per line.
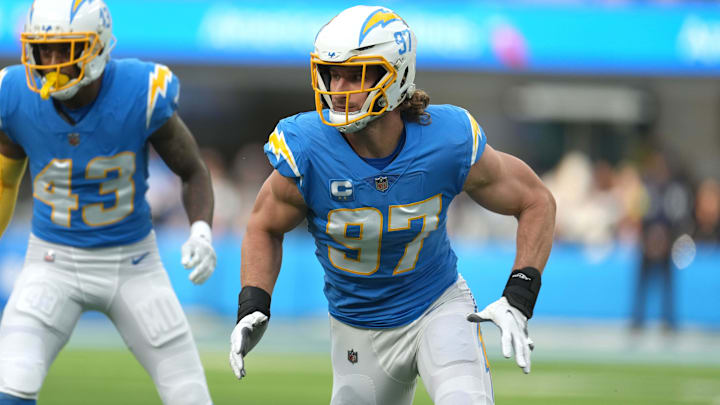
513,330
198,253
245,336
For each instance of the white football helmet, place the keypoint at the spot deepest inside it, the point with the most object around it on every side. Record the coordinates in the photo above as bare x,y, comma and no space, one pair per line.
364,36
85,26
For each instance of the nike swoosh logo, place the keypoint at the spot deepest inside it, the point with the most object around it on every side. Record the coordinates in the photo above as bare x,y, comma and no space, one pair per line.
138,259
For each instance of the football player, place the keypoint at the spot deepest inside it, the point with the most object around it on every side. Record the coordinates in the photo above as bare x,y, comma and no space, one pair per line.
83,122
374,171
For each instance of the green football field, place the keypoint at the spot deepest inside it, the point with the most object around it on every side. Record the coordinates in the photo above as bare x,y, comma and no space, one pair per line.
109,377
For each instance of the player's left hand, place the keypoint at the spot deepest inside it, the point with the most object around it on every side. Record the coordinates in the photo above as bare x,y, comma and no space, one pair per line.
198,253
245,336
513,330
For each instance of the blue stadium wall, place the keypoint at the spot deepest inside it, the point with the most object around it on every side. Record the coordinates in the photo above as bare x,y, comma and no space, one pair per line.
578,284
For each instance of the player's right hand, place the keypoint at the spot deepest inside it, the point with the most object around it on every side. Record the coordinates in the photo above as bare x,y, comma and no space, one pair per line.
245,336
513,330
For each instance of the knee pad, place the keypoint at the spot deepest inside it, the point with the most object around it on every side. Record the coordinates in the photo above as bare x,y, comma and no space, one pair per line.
464,398
463,390
180,379
189,393
21,372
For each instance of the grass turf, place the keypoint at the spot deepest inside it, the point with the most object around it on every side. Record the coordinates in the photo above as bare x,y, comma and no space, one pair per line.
110,377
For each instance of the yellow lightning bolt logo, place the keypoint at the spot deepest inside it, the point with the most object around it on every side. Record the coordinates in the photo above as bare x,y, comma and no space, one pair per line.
380,17
76,5
279,148
476,135
159,80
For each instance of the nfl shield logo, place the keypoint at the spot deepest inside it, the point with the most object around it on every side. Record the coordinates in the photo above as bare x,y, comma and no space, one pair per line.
381,183
74,139
352,356
49,256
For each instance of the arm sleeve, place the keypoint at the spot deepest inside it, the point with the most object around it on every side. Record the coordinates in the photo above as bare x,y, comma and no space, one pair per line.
11,173
163,93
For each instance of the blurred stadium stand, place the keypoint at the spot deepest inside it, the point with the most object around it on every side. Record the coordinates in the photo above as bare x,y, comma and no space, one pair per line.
584,91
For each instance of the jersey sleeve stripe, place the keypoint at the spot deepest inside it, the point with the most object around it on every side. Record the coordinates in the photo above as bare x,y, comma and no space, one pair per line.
477,138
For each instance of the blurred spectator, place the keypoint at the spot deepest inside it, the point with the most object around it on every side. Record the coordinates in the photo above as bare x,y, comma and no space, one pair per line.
707,212
667,214
630,193
227,198
570,182
250,168
163,194
588,206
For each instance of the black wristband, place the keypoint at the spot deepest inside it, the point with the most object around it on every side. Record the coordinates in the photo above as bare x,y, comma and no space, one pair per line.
253,299
522,289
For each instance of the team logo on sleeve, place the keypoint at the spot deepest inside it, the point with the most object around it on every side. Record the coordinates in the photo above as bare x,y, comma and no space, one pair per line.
342,190
280,149
352,356
158,85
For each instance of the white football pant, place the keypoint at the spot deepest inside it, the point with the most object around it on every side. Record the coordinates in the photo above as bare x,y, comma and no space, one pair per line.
129,285
380,366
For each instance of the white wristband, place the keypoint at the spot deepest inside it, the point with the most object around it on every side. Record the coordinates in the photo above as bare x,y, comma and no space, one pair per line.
201,229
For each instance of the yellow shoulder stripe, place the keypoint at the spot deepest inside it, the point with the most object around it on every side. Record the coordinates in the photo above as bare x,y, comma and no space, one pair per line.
476,137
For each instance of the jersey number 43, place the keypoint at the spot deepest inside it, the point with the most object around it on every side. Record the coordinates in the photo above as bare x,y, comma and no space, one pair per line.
53,187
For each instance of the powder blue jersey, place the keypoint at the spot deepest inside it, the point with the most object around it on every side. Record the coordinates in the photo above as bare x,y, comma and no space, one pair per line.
89,179
380,234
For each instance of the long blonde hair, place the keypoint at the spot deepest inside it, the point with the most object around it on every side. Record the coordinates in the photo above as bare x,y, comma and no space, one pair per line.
413,108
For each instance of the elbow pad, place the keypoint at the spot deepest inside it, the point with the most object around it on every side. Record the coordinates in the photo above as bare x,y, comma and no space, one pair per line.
11,173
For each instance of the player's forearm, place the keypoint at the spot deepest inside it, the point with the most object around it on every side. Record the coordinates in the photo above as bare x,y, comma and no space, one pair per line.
197,195
536,226
261,258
